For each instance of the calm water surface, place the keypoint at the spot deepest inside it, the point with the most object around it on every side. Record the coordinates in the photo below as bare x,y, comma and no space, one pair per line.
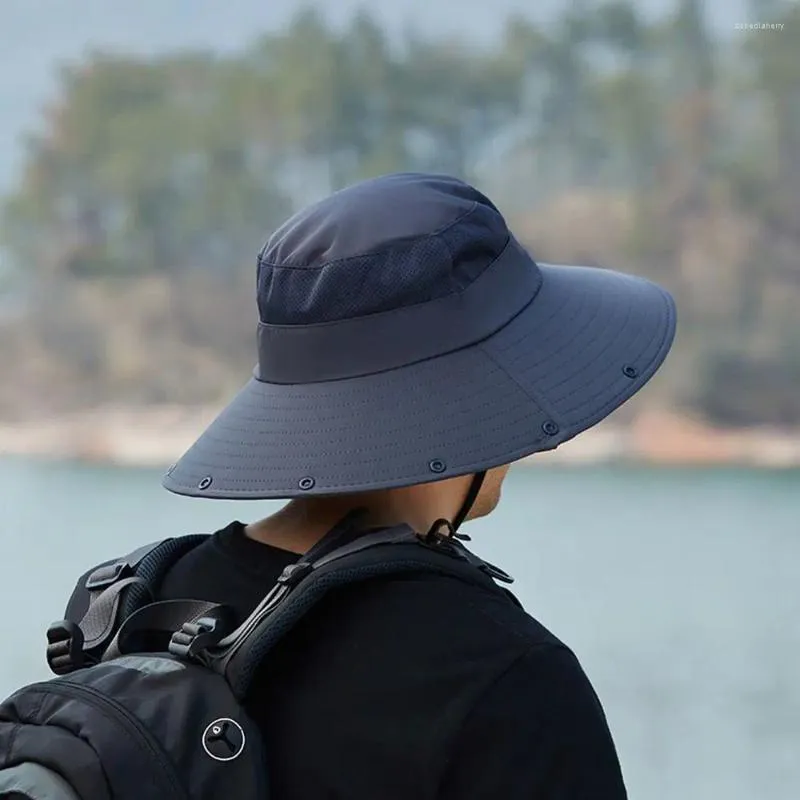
678,590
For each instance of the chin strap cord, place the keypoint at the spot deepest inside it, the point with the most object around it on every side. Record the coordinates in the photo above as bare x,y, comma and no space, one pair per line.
451,528
469,500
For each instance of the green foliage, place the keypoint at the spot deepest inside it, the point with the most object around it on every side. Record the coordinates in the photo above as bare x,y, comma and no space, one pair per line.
141,167
185,163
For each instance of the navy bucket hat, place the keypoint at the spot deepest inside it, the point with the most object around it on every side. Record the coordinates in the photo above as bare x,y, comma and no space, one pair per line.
405,336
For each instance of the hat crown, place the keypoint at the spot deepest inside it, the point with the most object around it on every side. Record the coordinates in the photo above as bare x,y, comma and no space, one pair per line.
378,245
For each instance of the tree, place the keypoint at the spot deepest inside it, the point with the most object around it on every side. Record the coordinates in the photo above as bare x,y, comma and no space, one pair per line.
140,167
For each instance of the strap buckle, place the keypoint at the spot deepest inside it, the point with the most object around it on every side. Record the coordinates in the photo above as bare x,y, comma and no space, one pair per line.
65,647
495,572
294,573
104,576
193,637
452,545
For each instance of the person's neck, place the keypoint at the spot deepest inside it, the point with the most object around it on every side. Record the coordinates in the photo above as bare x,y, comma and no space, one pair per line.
299,525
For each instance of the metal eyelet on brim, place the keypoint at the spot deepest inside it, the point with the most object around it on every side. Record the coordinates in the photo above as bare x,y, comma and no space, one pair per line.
549,427
437,465
306,483
630,371
205,483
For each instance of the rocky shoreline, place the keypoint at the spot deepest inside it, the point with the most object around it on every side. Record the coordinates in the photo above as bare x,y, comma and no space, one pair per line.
155,437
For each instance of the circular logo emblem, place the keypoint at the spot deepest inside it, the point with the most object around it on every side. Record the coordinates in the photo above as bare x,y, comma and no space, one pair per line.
223,739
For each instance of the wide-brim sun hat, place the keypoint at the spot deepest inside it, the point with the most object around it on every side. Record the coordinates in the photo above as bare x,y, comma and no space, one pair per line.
405,336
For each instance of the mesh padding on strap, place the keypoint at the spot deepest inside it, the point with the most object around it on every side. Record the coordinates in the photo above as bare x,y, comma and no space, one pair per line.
243,665
154,568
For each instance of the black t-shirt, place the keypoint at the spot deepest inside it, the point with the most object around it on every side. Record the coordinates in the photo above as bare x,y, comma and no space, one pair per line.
415,687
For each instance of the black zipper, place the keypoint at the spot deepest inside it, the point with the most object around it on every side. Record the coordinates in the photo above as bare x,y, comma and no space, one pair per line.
131,722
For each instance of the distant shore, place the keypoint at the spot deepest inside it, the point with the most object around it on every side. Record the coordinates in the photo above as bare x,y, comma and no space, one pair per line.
157,436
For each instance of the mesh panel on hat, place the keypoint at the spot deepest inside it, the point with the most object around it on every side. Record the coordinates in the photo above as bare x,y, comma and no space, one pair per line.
415,271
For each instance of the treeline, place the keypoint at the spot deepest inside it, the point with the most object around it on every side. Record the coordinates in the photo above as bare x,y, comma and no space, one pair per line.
650,146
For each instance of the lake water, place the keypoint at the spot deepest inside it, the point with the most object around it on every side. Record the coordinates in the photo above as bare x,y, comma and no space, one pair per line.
678,590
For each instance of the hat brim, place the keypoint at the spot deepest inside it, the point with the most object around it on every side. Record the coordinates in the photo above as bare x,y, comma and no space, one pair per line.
589,341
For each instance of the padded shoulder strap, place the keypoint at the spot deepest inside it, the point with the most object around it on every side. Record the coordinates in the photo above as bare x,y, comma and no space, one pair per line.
302,585
107,594
101,576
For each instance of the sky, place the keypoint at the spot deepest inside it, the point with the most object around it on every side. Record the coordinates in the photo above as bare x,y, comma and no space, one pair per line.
38,35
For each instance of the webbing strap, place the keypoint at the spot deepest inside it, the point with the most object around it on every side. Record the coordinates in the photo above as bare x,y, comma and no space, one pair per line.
97,624
165,618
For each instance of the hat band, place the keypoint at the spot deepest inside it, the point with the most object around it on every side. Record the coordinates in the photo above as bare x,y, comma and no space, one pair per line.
374,343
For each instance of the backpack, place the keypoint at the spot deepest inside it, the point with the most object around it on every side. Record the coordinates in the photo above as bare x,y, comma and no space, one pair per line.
148,699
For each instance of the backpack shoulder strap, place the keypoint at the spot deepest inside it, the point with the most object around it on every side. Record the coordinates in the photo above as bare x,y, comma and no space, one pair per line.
303,584
192,625
106,594
102,576
202,631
